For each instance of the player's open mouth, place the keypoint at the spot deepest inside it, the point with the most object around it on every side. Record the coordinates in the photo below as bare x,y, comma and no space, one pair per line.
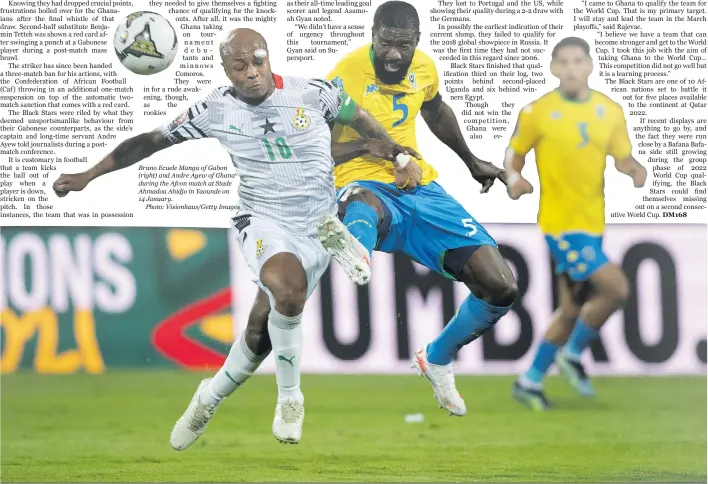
392,66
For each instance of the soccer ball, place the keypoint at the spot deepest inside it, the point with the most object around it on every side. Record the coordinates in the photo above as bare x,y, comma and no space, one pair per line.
145,43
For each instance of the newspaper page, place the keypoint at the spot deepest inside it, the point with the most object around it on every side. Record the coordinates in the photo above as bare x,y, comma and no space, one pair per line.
118,261
145,267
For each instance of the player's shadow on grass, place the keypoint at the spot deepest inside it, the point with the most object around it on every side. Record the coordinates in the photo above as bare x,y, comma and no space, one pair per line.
577,403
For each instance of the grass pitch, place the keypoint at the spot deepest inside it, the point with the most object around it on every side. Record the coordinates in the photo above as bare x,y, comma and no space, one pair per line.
116,427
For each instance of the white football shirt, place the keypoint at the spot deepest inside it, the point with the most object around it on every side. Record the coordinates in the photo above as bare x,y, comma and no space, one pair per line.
281,148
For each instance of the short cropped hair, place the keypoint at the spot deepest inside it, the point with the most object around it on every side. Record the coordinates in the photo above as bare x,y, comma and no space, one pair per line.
398,15
571,42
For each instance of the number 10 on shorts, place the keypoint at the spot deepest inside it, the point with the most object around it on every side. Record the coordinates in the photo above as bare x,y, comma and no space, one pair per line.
468,223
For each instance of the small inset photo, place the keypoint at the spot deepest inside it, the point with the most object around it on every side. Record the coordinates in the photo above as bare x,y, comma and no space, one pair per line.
145,43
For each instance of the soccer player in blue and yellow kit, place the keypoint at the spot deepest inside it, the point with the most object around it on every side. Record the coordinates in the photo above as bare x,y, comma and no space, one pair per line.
572,130
394,81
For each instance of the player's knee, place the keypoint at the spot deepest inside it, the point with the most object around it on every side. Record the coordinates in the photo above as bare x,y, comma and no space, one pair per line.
614,286
290,299
498,289
488,276
290,294
497,286
620,290
503,292
286,280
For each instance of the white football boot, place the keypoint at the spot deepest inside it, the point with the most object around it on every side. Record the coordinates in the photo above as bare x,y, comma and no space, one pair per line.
287,424
442,379
345,249
193,422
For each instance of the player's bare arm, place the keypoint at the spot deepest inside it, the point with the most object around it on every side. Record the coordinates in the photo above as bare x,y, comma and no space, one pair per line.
516,184
633,169
343,152
441,120
367,126
126,154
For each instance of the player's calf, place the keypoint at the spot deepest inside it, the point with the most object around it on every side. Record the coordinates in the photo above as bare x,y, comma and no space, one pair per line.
362,212
610,293
244,358
556,336
610,290
245,355
493,290
256,332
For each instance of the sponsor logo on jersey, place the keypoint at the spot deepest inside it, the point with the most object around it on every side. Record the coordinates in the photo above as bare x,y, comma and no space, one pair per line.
338,82
370,89
301,121
260,248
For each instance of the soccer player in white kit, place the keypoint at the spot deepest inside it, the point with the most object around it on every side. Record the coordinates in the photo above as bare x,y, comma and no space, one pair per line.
276,130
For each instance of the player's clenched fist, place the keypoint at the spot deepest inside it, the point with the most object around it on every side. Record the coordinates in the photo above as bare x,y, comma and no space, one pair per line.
408,172
69,183
639,176
387,150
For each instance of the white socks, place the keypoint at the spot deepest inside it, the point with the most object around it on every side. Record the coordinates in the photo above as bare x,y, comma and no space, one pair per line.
286,339
238,367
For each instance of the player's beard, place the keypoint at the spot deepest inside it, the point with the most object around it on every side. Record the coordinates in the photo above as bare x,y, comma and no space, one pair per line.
388,77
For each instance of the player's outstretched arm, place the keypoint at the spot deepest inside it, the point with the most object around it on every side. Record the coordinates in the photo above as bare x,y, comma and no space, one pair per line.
375,139
367,127
441,120
522,141
126,154
189,125
620,148
633,169
375,142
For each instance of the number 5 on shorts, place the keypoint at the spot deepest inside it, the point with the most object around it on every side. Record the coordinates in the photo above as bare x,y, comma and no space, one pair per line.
468,223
